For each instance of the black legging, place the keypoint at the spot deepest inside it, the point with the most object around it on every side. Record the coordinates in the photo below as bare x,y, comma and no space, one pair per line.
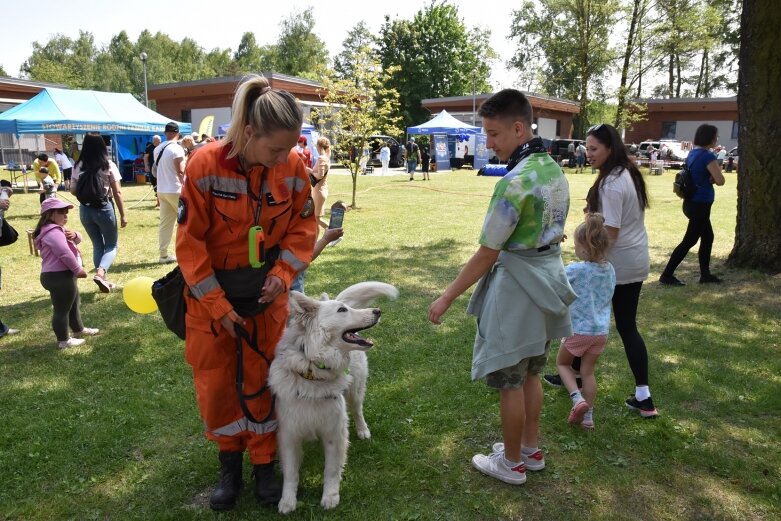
66,302
699,228
625,300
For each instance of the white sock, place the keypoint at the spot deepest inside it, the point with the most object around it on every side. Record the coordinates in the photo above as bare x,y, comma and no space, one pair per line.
528,451
576,397
642,392
589,416
511,464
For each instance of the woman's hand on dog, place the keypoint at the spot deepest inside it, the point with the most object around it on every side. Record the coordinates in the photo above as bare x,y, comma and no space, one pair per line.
229,320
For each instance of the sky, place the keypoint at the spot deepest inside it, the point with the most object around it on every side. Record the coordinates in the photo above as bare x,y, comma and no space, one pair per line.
212,26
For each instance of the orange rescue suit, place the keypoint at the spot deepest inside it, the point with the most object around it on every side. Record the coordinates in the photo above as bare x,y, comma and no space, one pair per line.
217,208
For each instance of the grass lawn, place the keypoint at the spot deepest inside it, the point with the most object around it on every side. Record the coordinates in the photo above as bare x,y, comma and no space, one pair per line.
110,430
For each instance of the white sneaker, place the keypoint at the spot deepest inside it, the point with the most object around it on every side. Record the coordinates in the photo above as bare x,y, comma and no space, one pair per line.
335,242
87,331
168,259
71,342
493,465
10,331
535,461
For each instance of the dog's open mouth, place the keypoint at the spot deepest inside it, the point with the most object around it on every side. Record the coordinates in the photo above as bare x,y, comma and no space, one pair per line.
352,337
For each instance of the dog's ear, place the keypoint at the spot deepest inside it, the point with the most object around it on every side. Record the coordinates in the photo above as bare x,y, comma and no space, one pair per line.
300,304
363,294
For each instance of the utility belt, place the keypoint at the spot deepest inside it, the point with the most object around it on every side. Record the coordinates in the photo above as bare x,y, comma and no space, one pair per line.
242,286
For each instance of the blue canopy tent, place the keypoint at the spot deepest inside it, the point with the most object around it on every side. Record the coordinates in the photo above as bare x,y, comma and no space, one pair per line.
443,124
63,111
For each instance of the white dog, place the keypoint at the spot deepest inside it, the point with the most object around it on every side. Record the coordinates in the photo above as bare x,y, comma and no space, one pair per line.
318,361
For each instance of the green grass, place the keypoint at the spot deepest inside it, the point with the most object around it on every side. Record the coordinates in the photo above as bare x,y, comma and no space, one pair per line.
110,430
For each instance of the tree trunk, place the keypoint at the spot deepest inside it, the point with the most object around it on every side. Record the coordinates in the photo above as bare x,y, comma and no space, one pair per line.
671,76
698,91
678,72
622,89
758,230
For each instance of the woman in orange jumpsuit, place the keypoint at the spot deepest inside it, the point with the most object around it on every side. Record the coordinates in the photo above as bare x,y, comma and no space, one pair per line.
250,179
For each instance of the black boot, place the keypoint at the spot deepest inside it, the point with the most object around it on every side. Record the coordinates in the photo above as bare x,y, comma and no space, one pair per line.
267,488
224,496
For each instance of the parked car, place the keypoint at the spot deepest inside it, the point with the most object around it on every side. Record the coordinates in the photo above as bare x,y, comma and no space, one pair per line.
676,151
398,153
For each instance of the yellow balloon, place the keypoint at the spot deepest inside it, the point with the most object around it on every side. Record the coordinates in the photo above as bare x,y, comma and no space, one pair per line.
138,295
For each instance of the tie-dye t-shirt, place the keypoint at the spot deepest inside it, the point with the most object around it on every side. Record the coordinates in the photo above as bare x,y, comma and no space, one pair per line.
529,206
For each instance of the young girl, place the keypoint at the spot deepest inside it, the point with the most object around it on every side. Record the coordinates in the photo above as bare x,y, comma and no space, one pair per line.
593,280
61,265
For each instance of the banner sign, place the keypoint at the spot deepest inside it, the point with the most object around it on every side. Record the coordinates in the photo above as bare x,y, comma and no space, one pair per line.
481,152
440,152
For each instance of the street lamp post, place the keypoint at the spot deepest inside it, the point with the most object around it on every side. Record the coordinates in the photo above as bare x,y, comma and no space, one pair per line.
143,57
473,98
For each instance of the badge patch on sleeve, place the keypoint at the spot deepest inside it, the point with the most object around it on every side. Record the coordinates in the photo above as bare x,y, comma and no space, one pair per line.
181,211
308,209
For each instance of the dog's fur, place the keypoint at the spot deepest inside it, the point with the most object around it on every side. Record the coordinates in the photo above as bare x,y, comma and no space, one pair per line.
320,360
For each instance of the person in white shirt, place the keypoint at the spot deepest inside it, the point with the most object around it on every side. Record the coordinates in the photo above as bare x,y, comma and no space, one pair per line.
721,155
66,167
170,176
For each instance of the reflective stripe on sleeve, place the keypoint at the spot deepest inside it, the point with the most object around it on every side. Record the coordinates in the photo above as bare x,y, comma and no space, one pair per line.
242,425
223,184
205,286
295,262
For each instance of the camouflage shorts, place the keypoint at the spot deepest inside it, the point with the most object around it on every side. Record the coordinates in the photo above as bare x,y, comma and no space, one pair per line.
514,376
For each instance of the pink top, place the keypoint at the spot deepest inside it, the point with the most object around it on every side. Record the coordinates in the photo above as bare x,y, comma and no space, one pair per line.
57,252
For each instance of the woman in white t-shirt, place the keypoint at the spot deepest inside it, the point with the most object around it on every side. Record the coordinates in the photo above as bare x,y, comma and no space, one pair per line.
619,193
98,217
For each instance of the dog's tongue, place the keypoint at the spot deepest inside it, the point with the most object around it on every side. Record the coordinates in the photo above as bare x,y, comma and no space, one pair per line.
355,338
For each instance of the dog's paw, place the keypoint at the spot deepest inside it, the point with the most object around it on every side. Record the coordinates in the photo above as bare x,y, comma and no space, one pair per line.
364,434
286,505
329,500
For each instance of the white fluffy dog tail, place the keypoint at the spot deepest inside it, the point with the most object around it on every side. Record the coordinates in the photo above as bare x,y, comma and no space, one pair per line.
364,293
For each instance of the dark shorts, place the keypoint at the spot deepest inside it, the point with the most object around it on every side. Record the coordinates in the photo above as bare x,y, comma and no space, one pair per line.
67,174
514,376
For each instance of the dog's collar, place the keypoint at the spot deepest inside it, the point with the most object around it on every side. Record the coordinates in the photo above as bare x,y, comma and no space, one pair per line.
309,375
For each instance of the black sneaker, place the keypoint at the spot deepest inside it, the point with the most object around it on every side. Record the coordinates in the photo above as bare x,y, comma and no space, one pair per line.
709,279
555,380
645,407
670,280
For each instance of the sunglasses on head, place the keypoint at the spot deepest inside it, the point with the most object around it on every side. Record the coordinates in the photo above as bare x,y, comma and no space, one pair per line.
595,128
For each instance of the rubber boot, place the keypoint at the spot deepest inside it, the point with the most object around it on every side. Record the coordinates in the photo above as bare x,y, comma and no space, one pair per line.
224,496
267,489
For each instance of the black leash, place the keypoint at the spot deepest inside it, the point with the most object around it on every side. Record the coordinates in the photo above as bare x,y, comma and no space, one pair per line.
242,335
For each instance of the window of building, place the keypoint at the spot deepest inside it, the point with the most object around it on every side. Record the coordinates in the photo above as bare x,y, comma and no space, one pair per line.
668,129
187,116
735,129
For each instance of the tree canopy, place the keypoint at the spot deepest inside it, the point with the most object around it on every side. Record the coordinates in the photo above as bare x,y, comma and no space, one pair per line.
436,56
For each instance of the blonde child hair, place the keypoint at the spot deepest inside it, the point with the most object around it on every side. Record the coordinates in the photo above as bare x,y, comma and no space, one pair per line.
592,235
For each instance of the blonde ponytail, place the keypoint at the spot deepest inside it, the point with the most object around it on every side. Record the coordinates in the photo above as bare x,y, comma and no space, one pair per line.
592,234
264,109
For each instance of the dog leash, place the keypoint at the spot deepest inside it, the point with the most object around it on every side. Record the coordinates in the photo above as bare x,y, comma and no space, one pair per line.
242,335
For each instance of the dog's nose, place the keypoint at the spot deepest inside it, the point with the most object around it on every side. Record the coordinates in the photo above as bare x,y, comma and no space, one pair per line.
376,312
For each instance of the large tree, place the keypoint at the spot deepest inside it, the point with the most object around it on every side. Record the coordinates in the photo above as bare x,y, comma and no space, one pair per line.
357,108
250,57
299,51
437,56
758,231
359,40
569,41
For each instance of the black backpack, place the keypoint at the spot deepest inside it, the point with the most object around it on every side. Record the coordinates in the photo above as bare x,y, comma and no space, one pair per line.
684,185
91,189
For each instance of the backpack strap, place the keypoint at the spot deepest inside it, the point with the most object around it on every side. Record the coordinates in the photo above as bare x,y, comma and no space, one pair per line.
157,160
